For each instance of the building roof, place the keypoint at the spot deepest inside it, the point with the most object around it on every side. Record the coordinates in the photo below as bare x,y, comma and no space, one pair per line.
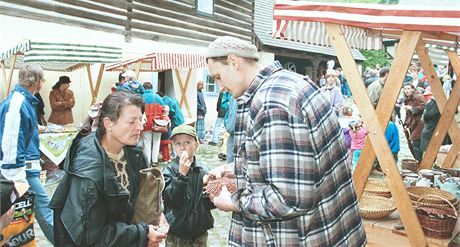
263,19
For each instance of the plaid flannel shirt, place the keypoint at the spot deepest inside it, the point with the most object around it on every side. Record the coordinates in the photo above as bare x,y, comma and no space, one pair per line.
294,185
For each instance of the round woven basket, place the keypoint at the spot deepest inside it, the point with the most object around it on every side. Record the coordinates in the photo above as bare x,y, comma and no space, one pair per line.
437,222
378,187
372,206
438,198
409,164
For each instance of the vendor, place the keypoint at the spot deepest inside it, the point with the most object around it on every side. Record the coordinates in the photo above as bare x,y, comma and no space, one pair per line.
62,101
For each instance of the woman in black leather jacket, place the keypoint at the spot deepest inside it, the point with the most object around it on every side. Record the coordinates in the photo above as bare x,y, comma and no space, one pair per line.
94,204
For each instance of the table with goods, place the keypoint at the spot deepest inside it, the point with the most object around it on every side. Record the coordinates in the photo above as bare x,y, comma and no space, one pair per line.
434,194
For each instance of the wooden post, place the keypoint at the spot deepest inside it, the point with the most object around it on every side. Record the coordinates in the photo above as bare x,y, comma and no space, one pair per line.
5,81
398,191
446,119
99,79
452,154
183,90
441,100
13,63
91,86
386,104
138,69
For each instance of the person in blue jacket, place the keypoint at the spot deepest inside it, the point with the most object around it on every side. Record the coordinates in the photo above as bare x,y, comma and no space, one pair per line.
20,154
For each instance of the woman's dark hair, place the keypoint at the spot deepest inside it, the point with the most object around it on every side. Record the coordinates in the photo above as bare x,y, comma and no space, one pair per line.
147,85
115,103
120,77
161,93
57,85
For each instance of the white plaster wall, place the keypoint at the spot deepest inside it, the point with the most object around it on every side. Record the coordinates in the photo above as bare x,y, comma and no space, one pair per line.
13,30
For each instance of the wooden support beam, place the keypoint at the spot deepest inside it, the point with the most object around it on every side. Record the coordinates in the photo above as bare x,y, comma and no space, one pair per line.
138,68
453,152
446,120
99,79
10,78
376,136
441,100
386,104
5,81
183,89
91,85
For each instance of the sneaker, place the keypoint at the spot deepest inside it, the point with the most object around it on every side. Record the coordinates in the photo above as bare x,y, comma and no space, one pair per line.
212,143
222,156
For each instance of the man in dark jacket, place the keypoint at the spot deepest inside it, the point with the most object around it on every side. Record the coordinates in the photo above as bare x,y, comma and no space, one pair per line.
200,112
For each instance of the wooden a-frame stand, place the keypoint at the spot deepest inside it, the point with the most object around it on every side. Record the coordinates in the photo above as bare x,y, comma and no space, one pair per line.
377,120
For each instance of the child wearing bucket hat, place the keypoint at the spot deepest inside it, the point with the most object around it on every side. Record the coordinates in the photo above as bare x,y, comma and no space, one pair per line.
187,211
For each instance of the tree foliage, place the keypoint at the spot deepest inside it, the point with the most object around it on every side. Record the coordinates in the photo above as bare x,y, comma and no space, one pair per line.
374,57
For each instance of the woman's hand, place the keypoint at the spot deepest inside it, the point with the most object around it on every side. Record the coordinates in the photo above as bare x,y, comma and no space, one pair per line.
184,163
155,237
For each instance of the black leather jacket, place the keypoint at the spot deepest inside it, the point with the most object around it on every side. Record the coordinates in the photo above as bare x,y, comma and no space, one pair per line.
187,211
90,206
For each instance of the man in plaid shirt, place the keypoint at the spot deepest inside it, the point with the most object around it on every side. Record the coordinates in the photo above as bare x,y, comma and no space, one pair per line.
294,187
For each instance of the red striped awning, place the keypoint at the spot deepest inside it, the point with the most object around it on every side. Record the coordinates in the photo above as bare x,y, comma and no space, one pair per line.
361,23
160,61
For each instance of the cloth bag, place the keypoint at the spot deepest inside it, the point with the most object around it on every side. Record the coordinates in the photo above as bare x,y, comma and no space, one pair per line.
149,204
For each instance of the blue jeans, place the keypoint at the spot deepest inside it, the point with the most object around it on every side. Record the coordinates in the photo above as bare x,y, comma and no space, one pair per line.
216,133
43,213
200,129
230,141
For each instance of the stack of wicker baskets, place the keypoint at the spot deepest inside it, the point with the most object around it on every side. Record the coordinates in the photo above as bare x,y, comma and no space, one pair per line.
378,187
372,206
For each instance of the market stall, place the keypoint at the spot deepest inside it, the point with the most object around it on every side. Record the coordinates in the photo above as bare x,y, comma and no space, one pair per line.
59,57
415,27
51,56
158,61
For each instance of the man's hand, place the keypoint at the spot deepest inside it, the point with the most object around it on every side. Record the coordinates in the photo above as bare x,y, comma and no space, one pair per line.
222,171
224,200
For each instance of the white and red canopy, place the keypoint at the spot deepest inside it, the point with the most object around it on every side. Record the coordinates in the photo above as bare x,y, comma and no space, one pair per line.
364,25
160,61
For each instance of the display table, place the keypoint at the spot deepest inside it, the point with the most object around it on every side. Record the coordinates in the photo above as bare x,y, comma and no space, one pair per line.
55,141
380,232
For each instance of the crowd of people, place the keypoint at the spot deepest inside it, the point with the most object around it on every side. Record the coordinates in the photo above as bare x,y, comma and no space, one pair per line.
291,148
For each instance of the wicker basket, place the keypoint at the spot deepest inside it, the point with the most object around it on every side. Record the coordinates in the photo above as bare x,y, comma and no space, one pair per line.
409,164
439,199
437,222
374,207
378,187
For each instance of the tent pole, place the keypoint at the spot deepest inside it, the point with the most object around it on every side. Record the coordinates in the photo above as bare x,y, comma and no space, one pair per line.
441,101
138,69
90,79
385,105
13,63
99,79
2,63
398,191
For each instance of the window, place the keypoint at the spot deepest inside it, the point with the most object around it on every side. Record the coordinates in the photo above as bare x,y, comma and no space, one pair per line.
205,7
211,85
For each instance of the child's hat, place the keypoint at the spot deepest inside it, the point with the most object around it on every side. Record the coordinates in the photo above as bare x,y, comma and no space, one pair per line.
184,129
